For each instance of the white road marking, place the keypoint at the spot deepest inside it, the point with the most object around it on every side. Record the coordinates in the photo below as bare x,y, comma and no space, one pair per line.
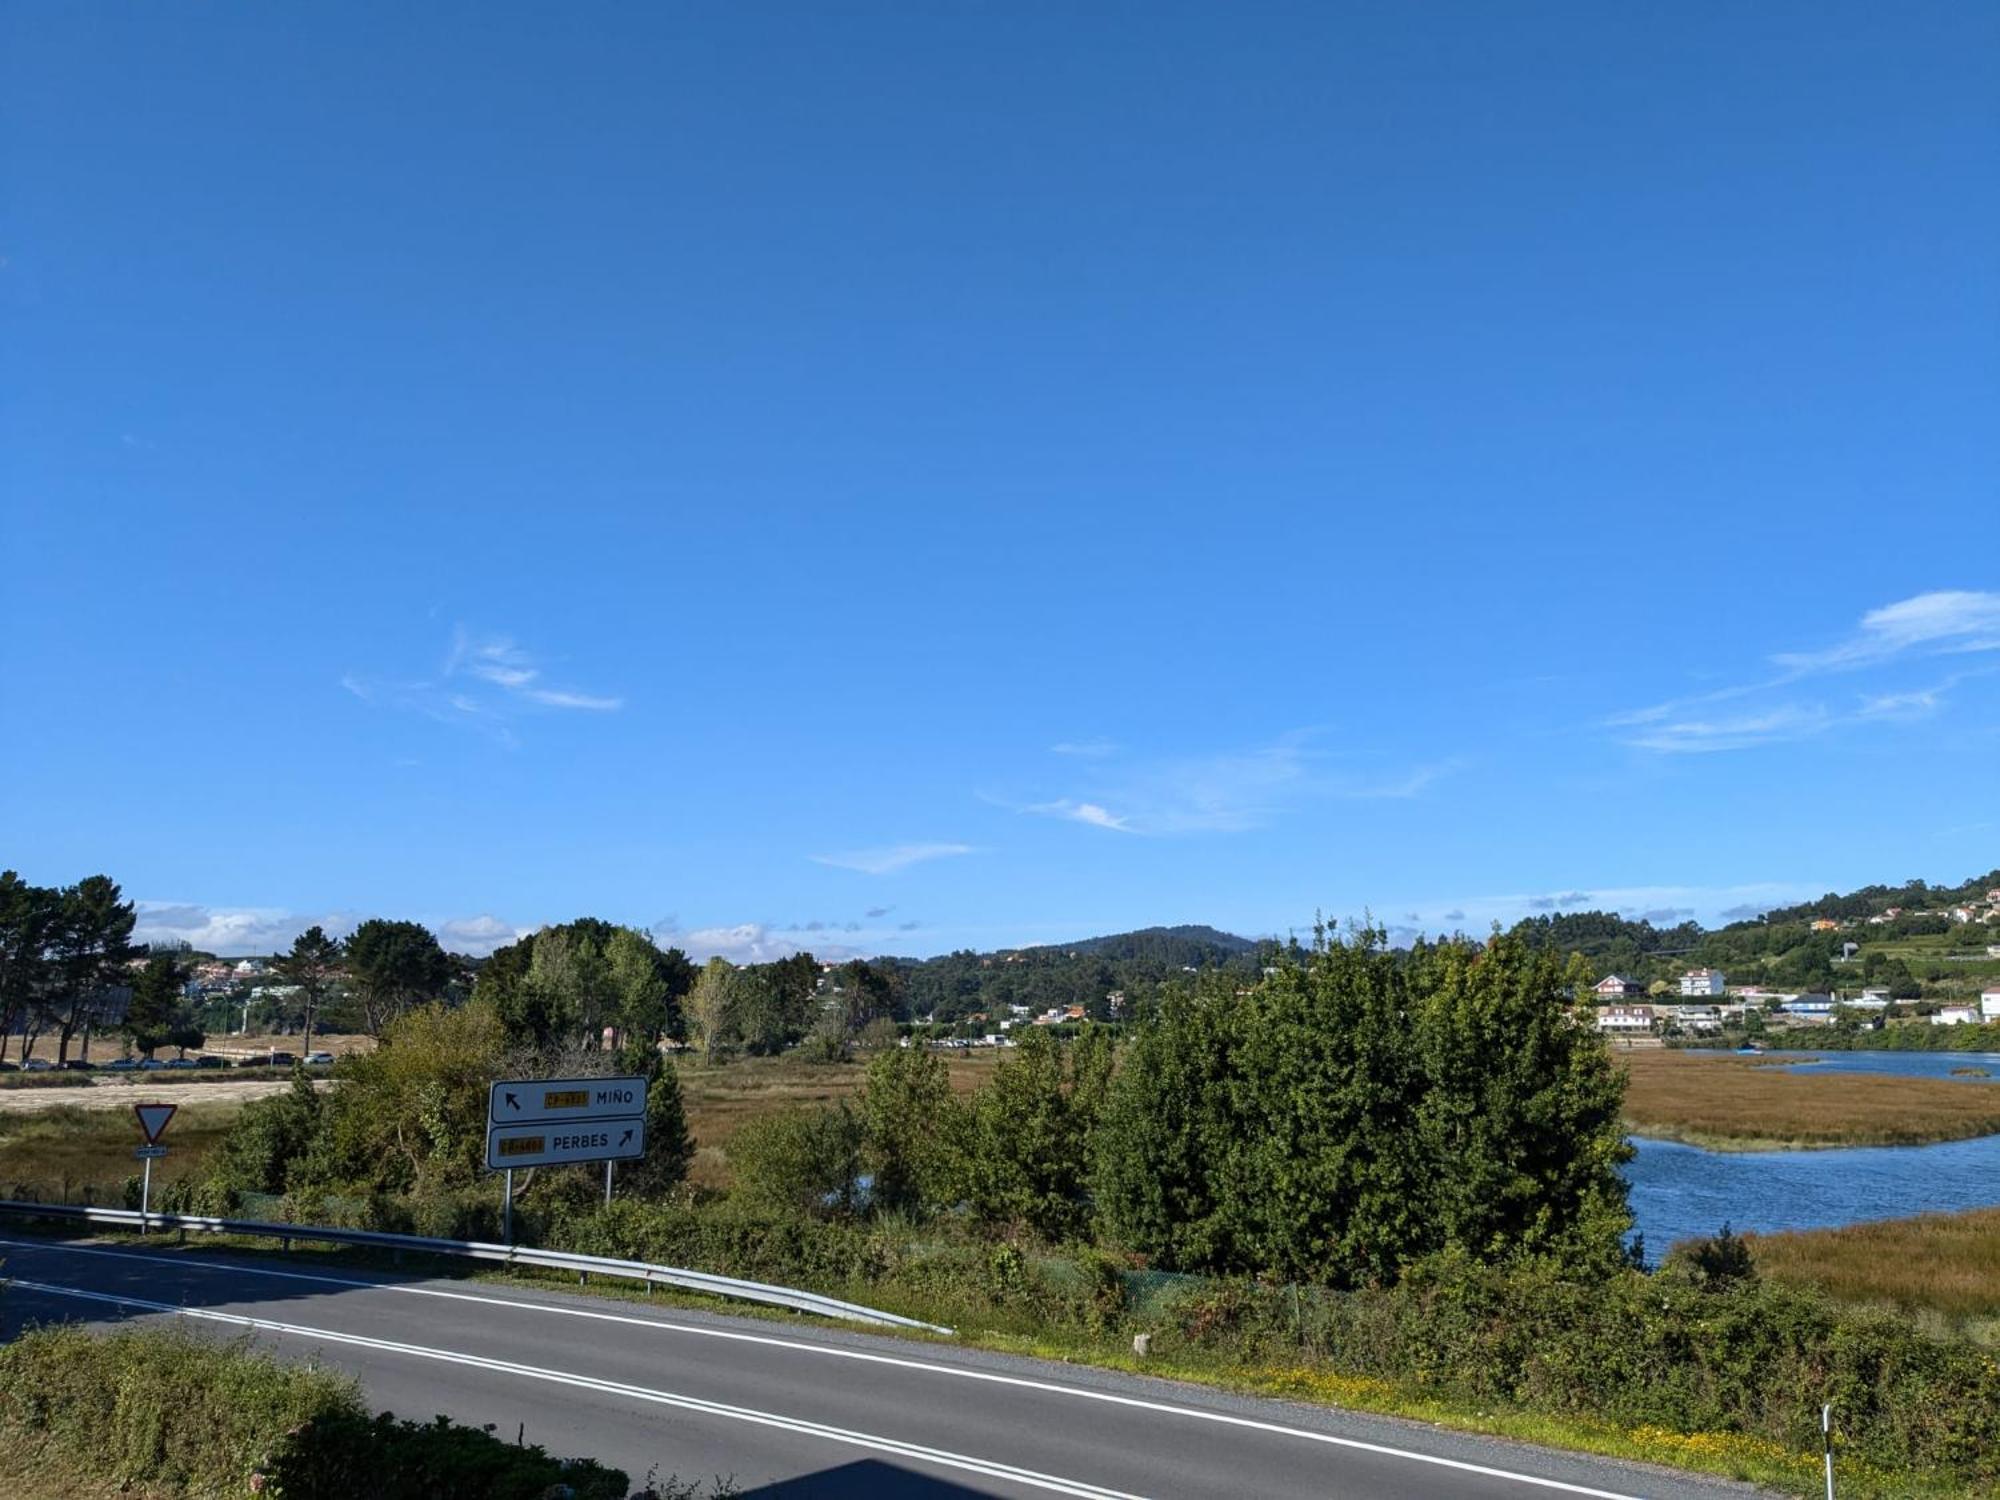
990,1468
1070,1392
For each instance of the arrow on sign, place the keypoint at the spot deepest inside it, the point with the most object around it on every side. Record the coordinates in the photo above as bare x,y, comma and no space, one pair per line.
512,1102
153,1120
625,1139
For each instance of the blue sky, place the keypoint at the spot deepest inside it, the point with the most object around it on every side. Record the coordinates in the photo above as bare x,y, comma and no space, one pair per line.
888,478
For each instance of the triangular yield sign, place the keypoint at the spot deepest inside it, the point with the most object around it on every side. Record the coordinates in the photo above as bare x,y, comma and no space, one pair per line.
153,1119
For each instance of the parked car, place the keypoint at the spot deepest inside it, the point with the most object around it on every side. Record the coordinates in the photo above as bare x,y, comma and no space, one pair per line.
152,1064
77,1065
282,1059
319,1059
206,1061
7,1067
122,1065
38,1065
180,1062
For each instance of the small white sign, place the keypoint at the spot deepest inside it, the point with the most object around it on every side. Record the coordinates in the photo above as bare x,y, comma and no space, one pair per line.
522,1100
554,1142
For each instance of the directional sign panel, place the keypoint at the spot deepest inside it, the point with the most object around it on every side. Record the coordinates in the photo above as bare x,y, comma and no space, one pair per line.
153,1120
149,1153
532,1100
550,1143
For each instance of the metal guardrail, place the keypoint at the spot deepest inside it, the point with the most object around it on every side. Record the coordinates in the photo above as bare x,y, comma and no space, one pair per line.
512,1255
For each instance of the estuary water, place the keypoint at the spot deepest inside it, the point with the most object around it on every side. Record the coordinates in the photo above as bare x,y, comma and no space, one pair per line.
1678,1191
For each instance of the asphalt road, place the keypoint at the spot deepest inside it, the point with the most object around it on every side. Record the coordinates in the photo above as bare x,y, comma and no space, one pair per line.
791,1410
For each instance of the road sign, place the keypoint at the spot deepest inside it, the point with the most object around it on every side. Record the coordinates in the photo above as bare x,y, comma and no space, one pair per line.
550,1143
564,1100
153,1120
149,1153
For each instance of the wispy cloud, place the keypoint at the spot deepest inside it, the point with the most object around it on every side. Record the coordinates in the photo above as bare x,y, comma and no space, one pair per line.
1225,792
1946,620
1780,707
1095,749
890,858
485,682
1662,905
498,661
1733,732
1092,813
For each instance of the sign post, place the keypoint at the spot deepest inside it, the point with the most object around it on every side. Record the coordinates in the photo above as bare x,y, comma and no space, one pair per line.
546,1122
153,1120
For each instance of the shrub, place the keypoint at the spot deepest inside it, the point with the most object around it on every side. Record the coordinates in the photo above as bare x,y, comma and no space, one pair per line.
159,1407
805,1161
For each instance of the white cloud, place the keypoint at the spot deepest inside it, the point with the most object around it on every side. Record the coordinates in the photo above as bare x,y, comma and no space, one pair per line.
1696,736
1089,749
478,936
1944,620
239,931
1887,641
887,860
744,943
1664,905
232,930
1226,792
1080,812
484,682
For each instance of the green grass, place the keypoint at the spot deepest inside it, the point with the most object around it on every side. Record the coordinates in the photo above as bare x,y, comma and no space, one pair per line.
85,1155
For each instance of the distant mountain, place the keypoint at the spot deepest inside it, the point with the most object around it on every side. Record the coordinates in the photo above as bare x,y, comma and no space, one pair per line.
1192,945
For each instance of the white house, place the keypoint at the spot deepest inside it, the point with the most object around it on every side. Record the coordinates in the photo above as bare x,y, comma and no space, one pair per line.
1625,1018
1955,1015
1989,1005
1613,987
1703,983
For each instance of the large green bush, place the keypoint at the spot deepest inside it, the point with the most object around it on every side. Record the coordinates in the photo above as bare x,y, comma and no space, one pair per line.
1364,1109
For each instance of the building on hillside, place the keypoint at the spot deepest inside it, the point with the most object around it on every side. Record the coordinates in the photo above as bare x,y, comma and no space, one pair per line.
1696,1018
1706,983
1616,987
1625,1019
1989,1005
1867,1001
1825,924
1993,950
1963,914
1955,1015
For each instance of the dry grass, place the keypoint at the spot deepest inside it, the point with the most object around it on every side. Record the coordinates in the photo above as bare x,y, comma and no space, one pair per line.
1946,1263
1738,1103
84,1154
721,1098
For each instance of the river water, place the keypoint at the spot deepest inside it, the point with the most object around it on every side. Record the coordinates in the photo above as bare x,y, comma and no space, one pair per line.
1678,1191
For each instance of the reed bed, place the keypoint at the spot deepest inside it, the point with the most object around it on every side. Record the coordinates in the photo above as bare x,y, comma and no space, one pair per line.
1946,1263
1741,1104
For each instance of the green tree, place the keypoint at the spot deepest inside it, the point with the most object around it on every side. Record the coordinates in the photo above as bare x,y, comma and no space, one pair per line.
1028,1156
1520,1100
912,1129
312,967
1166,1146
28,915
716,1006
156,1003
800,1161
92,941
410,1116
394,966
